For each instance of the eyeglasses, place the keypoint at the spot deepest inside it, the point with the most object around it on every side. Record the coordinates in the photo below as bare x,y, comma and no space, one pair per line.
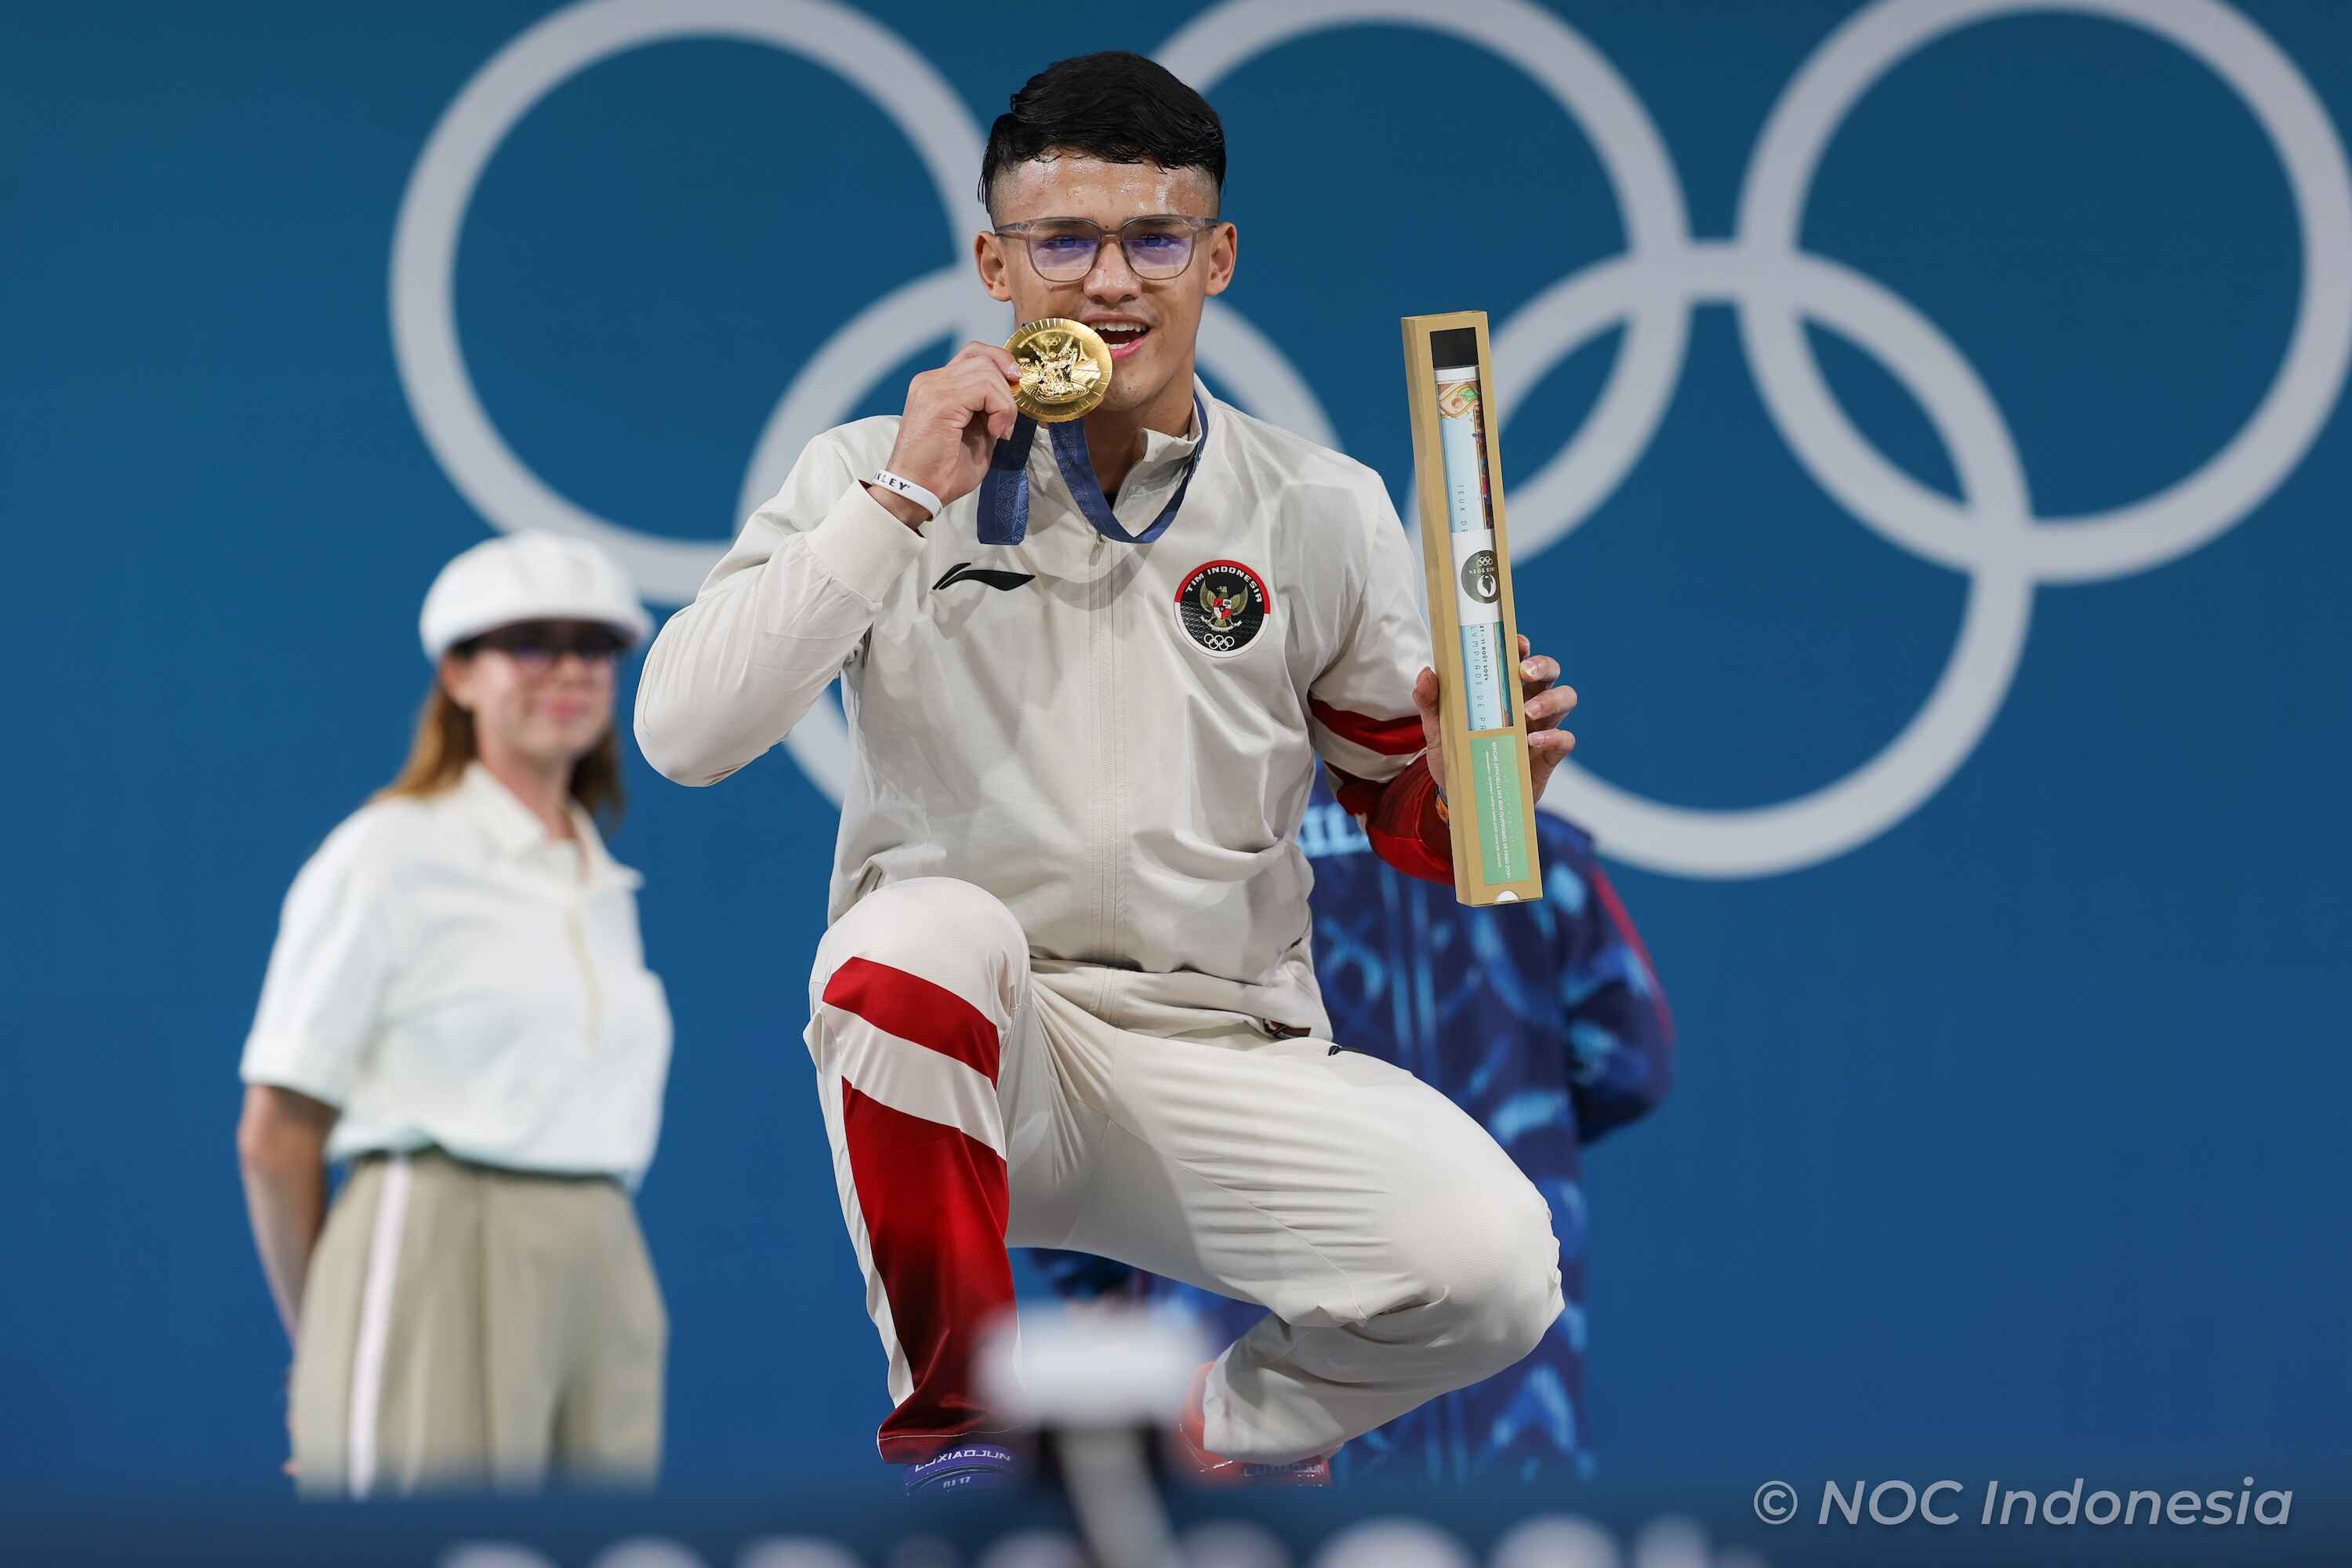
535,646
1158,245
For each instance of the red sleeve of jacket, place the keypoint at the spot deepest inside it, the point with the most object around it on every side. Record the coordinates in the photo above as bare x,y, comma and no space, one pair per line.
1402,818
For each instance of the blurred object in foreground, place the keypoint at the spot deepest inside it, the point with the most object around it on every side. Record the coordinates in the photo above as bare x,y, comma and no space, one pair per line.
1101,1386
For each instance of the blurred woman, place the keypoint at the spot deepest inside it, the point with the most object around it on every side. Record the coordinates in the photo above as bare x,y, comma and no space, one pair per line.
458,1005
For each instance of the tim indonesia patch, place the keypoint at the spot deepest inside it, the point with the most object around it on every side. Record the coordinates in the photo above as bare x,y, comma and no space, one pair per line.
1222,605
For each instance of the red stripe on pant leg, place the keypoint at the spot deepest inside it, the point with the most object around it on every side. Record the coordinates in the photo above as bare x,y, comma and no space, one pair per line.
934,1201
913,1008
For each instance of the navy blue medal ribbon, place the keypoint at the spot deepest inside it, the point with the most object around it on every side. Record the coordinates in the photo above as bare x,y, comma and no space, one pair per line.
1004,493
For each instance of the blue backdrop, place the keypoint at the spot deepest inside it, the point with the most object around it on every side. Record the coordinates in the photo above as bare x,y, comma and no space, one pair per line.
2014,1073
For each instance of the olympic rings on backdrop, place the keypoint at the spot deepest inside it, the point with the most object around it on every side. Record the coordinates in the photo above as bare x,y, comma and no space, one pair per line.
1991,532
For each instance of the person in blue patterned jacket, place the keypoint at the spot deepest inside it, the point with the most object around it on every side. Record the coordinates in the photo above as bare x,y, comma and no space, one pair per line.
1547,1023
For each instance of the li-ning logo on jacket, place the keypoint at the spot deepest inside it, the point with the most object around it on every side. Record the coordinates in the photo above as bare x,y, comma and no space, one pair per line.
965,572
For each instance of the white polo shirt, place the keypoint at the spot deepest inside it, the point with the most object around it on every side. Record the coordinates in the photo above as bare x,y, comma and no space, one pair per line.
448,973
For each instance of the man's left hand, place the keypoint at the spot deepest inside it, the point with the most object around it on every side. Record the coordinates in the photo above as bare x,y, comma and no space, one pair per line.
1542,698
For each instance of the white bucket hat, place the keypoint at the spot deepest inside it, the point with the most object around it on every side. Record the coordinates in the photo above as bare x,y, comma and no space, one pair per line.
528,577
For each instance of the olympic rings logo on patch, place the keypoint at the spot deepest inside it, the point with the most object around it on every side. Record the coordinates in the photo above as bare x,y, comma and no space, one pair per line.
1991,533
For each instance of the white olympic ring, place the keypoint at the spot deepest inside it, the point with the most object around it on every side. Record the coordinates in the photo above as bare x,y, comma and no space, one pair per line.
424,239
1991,532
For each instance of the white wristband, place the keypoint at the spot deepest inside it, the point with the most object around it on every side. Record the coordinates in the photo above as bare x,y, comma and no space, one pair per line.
899,485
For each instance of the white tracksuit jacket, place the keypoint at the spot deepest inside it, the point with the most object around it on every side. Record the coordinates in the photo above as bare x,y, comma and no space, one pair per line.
1112,741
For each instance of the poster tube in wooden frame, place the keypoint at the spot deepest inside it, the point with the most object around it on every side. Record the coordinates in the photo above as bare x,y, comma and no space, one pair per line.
1473,616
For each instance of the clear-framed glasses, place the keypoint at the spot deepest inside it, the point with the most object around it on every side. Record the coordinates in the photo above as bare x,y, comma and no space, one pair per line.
1158,245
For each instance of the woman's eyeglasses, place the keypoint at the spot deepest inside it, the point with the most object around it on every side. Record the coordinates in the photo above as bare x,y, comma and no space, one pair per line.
535,646
1158,245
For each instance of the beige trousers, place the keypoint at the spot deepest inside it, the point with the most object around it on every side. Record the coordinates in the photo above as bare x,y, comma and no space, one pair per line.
470,1328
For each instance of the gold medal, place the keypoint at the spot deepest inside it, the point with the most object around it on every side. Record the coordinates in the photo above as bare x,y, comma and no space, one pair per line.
1065,369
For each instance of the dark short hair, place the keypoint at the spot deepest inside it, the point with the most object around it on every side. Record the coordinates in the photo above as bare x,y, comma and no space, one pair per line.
1119,107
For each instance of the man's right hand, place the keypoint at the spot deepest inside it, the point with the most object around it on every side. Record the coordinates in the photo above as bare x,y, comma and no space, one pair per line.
955,417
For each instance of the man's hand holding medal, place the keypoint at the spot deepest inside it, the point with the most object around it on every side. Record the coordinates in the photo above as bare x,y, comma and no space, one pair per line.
1051,370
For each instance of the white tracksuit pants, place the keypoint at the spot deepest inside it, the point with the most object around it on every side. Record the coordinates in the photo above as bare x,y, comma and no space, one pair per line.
971,1105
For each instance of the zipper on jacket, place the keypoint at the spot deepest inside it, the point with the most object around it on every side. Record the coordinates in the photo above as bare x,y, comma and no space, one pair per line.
1100,701
1114,847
